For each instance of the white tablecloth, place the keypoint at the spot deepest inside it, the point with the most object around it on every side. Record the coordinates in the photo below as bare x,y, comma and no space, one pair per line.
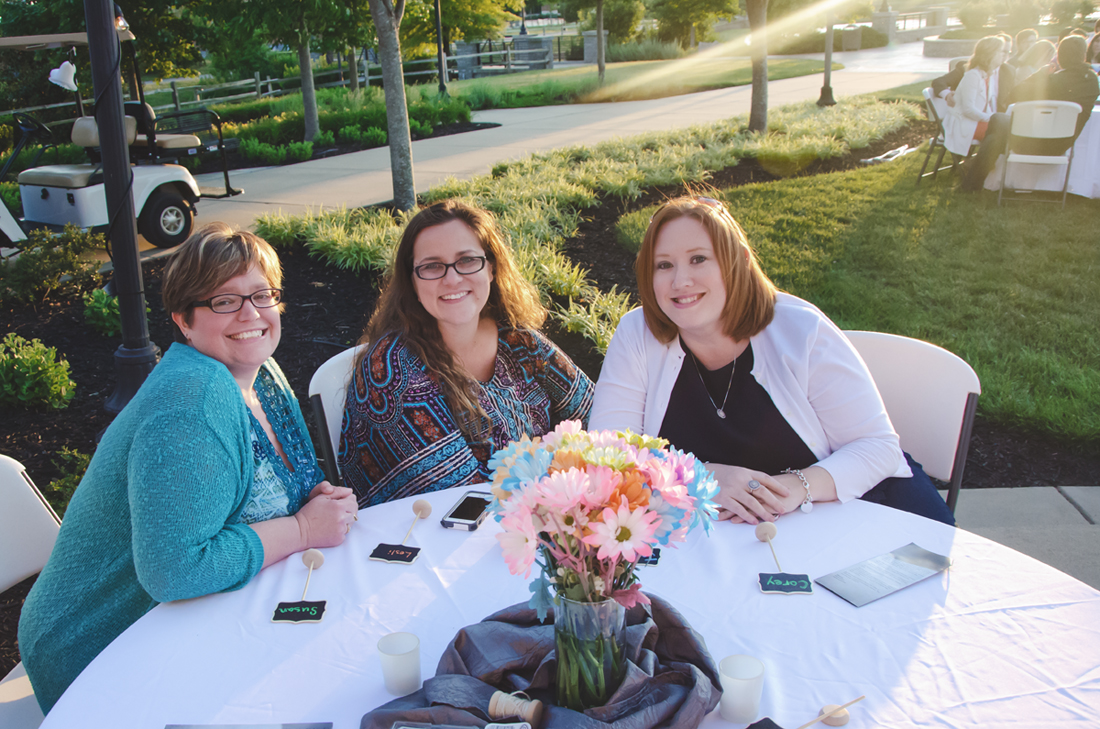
1084,175
998,640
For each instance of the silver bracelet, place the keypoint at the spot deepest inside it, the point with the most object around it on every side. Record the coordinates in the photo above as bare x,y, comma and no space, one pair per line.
808,504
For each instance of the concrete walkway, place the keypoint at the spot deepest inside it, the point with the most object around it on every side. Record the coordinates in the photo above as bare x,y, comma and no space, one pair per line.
1055,525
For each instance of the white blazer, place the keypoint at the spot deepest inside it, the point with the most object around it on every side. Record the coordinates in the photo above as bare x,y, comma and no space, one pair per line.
803,361
975,101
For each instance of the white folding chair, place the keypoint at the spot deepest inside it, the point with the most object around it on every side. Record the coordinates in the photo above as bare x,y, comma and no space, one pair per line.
937,110
28,530
1034,120
930,396
327,391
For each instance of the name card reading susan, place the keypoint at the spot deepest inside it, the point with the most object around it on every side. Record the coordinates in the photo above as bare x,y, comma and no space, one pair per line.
396,553
299,612
787,584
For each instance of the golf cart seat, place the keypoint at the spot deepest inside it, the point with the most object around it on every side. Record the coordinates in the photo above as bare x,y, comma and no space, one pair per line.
153,143
86,131
70,177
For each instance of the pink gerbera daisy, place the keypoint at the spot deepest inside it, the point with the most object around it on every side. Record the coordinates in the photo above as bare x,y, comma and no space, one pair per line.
623,532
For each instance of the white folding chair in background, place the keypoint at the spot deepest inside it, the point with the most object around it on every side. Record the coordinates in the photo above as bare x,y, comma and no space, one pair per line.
28,530
327,390
937,110
1032,120
930,396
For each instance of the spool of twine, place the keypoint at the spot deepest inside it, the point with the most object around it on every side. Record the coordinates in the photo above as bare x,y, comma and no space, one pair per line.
505,706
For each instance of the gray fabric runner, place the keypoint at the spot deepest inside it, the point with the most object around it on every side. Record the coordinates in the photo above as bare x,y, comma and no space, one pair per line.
671,680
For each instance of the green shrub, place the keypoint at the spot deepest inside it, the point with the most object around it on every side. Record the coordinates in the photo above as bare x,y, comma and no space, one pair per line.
50,263
101,312
73,467
650,50
416,129
6,137
263,152
31,375
9,193
374,137
299,151
324,139
350,135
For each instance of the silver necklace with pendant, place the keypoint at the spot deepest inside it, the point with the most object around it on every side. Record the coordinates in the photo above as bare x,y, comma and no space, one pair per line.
720,411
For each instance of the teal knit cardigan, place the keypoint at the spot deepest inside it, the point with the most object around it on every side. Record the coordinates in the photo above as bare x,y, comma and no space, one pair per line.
155,518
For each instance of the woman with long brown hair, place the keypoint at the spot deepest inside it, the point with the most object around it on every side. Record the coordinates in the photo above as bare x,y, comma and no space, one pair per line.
456,366
757,383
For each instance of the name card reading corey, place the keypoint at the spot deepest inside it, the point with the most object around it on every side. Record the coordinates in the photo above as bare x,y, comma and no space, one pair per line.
299,612
785,583
395,553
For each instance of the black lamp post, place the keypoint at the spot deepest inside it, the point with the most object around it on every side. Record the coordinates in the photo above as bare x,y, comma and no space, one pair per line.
523,21
136,356
439,50
826,98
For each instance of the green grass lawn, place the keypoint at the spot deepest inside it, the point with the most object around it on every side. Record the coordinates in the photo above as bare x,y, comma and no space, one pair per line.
1012,290
623,81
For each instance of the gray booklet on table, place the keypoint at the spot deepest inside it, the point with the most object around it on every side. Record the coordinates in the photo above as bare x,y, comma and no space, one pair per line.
880,576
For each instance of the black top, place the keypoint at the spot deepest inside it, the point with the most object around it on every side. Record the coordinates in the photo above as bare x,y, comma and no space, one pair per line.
753,434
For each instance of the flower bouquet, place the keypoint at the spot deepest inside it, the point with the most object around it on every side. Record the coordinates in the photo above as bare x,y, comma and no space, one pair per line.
587,506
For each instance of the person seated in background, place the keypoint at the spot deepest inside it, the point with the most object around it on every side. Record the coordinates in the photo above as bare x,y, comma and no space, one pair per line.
977,98
1037,58
456,367
207,476
946,86
1075,82
1025,40
758,383
1092,54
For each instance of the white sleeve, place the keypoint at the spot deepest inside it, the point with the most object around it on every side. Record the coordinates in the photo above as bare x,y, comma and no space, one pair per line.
620,397
969,97
864,447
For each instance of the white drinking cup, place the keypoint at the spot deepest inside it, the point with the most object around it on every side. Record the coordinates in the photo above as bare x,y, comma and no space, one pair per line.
400,656
742,683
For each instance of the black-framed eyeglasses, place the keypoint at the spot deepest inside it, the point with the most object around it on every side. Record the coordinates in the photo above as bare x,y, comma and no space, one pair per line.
466,265
229,303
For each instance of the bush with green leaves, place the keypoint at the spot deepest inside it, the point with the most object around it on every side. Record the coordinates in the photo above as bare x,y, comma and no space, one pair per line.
32,376
101,312
325,139
648,50
270,154
374,137
299,151
50,263
9,193
73,465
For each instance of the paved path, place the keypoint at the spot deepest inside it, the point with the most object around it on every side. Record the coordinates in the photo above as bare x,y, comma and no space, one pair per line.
1055,525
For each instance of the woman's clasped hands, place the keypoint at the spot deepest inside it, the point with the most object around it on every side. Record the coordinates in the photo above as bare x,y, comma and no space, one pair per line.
325,519
747,496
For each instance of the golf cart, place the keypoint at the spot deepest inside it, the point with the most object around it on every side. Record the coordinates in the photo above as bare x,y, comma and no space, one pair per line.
164,193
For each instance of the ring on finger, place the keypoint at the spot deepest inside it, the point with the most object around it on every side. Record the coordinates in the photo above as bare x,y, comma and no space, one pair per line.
754,485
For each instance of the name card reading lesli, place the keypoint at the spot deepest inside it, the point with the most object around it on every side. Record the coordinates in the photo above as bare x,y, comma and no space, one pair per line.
299,612
785,583
396,553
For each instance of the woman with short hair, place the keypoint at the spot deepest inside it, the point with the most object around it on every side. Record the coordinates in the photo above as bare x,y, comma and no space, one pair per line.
207,476
456,367
758,383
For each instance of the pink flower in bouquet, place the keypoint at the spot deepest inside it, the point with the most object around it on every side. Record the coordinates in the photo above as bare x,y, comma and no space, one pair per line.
623,532
519,542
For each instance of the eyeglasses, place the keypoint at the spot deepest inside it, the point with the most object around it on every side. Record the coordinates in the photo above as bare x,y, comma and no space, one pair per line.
466,265
229,303
710,202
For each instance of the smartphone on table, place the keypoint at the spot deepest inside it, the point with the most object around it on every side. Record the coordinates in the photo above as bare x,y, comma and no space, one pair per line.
469,512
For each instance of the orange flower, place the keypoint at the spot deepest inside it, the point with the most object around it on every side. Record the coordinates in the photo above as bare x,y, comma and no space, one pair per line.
566,459
633,487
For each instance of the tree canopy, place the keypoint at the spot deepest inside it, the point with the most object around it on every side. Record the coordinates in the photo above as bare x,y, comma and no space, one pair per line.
677,18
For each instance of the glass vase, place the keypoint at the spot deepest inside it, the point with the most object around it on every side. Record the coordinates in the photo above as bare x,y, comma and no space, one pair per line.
591,651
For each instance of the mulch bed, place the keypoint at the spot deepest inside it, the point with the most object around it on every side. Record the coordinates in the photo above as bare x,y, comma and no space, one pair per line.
328,308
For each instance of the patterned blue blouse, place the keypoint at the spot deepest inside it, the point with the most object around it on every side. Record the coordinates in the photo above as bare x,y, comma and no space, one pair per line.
270,496
399,436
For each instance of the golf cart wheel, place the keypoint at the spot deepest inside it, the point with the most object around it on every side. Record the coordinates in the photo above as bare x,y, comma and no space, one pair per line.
166,220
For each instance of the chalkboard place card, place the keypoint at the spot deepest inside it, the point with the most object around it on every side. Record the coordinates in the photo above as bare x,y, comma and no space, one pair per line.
765,723
396,553
299,612
785,583
653,558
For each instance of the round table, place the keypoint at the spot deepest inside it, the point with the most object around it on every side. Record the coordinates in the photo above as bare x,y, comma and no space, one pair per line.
999,639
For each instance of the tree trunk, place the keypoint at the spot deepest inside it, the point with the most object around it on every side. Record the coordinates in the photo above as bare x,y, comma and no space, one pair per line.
599,39
758,19
309,94
353,66
387,21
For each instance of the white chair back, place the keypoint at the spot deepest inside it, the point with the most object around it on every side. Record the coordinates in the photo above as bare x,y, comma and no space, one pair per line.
936,105
327,391
1045,119
28,530
28,525
930,395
